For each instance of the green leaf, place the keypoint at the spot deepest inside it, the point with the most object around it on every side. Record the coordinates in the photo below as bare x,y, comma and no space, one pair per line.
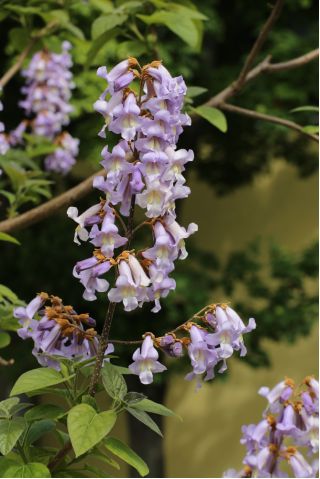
314,109
38,429
7,293
6,406
125,453
133,398
39,378
33,469
154,407
10,431
145,419
194,91
98,43
213,116
113,382
9,238
47,411
5,463
5,339
106,23
182,26
102,457
86,427
313,129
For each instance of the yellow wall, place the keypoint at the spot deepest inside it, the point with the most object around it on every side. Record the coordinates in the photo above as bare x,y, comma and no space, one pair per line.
280,206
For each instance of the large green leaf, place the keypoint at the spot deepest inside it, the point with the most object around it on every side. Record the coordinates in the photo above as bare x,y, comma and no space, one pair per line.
213,116
183,26
113,382
33,469
86,427
145,419
39,378
10,431
6,406
105,23
38,429
4,339
43,411
125,453
153,407
8,238
314,109
98,43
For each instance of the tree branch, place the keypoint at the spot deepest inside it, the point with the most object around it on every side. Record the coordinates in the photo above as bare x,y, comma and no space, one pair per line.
270,118
17,65
274,15
47,209
263,67
195,316
23,55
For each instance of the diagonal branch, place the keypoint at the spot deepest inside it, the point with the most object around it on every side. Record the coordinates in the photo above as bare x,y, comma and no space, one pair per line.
270,118
274,15
23,55
263,67
47,209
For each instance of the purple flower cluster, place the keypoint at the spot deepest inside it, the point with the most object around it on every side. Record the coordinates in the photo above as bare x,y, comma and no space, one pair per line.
57,330
214,345
47,95
4,142
64,156
48,91
144,168
207,345
287,434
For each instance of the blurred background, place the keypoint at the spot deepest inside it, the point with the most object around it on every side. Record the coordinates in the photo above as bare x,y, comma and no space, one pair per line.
254,197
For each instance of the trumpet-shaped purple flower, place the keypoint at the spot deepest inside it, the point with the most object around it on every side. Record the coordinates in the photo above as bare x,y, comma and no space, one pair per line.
25,315
107,237
89,217
89,272
145,362
126,118
203,357
131,285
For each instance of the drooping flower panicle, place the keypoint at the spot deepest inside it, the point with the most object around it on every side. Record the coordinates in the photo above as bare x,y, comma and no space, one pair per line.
47,103
287,434
57,330
144,168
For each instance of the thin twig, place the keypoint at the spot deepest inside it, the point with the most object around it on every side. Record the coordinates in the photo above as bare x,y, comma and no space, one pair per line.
23,55
270,118
274,15
263,67
178,328
60,455
103,343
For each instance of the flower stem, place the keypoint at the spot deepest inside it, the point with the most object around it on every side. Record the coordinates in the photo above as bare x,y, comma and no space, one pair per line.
102,348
